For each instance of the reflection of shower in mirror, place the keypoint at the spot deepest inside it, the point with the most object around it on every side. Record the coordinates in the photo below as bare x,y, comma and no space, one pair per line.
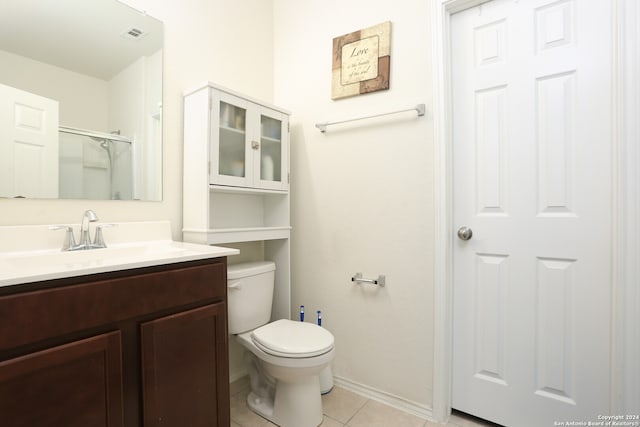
83,61
95,165
105,144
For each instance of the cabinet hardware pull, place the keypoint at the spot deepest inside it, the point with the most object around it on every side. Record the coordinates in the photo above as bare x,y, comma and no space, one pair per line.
255,145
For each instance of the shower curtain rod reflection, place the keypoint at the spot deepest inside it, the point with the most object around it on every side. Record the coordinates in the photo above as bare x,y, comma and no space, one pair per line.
94,134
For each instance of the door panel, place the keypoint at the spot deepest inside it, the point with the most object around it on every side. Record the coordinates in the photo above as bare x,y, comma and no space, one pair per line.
490,298
555,111
554,313
492,162
532,179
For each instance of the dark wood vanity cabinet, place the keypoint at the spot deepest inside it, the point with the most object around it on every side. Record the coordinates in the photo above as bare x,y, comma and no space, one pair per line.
143,347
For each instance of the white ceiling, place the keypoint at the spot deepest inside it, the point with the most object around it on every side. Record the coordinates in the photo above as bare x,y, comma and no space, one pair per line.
79,35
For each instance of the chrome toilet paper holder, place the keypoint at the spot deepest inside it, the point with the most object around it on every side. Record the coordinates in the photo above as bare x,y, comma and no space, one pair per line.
380,281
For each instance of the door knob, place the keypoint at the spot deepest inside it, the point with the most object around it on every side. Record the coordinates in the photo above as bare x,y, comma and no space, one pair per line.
465,233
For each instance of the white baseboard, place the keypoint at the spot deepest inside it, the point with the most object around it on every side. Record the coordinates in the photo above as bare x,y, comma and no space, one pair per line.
397,402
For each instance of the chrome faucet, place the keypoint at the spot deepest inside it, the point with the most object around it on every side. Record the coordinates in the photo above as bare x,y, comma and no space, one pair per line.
85,238
85,243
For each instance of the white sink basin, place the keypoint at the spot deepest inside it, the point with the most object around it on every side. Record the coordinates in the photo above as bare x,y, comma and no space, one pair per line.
27,266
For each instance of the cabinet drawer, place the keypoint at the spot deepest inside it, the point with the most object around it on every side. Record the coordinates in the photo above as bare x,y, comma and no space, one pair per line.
32,316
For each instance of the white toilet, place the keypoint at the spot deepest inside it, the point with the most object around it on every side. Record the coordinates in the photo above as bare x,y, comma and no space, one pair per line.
285,357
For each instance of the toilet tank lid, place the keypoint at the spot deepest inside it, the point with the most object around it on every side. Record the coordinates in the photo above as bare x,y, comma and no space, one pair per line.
247,269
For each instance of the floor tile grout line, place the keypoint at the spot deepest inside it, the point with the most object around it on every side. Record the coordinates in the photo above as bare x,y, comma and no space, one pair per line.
357,412
333,419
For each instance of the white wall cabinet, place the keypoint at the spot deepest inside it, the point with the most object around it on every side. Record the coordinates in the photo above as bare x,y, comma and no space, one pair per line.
249,143
236,168
236,177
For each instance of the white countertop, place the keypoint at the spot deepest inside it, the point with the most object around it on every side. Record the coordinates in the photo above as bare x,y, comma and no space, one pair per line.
32,253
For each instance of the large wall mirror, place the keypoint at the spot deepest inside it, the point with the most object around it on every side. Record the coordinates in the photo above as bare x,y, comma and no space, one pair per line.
80,100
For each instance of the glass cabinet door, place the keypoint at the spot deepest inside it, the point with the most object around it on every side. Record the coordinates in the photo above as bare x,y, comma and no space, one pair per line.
270,149
232,137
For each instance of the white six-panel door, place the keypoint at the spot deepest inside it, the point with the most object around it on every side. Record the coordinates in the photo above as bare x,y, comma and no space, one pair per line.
28,144
532,179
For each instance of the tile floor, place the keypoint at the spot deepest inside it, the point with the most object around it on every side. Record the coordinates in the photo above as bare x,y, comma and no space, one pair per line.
343,408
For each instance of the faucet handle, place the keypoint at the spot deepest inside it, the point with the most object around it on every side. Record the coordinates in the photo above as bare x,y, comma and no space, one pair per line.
69,239
98,240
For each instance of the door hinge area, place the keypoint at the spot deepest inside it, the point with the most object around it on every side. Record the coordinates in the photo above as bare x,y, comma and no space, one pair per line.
288,177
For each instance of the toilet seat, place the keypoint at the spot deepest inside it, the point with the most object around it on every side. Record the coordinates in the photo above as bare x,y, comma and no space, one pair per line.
286,338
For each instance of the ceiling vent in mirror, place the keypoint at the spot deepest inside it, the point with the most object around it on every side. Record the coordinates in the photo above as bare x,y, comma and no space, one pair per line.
133,33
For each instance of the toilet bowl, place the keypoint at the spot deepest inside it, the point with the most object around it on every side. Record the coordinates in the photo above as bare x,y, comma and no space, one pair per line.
285,358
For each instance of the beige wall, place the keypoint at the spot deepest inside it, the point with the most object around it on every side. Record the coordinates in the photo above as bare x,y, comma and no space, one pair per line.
362,194
227,42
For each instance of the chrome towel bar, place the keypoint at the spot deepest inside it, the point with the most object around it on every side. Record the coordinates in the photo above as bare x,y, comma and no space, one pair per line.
420,109
380,281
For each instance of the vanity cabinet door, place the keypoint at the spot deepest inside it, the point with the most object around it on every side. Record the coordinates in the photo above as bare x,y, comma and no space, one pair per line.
185,369
78,384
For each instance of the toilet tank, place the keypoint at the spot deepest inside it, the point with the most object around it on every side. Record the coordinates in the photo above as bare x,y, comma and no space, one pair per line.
249,294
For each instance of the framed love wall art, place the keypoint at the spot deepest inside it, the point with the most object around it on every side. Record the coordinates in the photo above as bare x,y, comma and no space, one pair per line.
361,61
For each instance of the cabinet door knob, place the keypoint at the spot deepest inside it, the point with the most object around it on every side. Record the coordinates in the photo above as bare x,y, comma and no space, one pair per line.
255,145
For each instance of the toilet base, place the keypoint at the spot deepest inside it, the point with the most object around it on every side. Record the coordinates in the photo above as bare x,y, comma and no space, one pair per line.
260,405
296,404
